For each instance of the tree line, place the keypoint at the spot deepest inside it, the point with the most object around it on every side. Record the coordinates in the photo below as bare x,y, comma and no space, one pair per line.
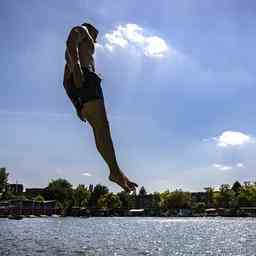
99,196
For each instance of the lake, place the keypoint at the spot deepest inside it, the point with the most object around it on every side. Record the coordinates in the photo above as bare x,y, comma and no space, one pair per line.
128,236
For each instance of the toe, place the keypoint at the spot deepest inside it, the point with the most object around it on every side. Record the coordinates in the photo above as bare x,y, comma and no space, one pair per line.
132,184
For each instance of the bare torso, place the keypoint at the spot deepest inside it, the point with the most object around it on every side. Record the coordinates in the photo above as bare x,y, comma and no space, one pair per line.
85,52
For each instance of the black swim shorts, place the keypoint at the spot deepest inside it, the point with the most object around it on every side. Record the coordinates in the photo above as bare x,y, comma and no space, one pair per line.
90,90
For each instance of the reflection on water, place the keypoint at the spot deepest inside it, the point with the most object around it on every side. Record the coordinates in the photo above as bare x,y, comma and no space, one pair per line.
128,236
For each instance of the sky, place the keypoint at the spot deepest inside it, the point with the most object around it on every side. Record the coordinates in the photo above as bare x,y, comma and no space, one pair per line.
179,85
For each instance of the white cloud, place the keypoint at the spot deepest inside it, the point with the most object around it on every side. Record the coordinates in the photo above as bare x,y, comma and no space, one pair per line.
222,167
155,47
86,174
227,167
132,35
240,165
232,138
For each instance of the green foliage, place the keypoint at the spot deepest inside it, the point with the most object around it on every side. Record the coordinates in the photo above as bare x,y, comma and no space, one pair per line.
163,199
132,201
175,199
81,196
237,187
225,197
209,196
247,195
142,191
199,207
3,178
102,202
124,199
39,198
109,200
166,202
20,197
7,195
156,200
60,190
113,201
97,192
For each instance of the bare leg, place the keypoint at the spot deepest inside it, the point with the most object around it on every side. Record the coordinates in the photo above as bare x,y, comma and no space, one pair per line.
94,112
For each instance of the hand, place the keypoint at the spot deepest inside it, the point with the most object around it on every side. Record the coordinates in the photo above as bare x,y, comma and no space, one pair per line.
78,75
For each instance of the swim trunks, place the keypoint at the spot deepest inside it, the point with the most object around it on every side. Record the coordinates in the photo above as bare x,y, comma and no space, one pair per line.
90,90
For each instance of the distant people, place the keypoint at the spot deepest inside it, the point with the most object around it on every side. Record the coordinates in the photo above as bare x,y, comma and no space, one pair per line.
83,86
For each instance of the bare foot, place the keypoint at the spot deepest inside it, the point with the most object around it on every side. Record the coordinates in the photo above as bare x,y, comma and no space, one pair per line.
122,181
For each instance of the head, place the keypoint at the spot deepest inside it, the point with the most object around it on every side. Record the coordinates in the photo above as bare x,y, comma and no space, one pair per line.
92,30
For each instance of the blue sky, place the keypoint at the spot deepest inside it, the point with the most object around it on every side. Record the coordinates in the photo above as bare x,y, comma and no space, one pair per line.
178,81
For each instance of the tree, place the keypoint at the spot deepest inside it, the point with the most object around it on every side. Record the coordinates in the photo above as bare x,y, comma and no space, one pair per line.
39,198
199,207
3,178
7,195
102,202
247,195
236,187
142,191
163,200
132,201
177,199
124,198
81,195
209,196
98,191
113,201
225,197
61,190
109,200
156,200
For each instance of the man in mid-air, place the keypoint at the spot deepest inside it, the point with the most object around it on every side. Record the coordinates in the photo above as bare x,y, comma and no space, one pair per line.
83,86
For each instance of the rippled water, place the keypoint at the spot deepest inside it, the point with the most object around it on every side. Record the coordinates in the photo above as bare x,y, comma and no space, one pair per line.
128,236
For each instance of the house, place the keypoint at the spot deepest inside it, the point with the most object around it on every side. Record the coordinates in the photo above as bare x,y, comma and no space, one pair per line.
34,192
14,188
4,208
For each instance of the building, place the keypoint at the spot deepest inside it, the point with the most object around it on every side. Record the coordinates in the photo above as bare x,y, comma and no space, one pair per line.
34,192
14,188
4,208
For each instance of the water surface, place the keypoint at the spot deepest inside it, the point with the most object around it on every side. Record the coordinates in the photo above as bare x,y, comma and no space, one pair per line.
128,236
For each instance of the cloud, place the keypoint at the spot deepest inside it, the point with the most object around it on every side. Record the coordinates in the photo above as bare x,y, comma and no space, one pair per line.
86,174
233,138
132,35
222,167
240,165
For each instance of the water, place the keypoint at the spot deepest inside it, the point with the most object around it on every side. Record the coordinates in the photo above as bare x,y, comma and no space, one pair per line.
128,236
